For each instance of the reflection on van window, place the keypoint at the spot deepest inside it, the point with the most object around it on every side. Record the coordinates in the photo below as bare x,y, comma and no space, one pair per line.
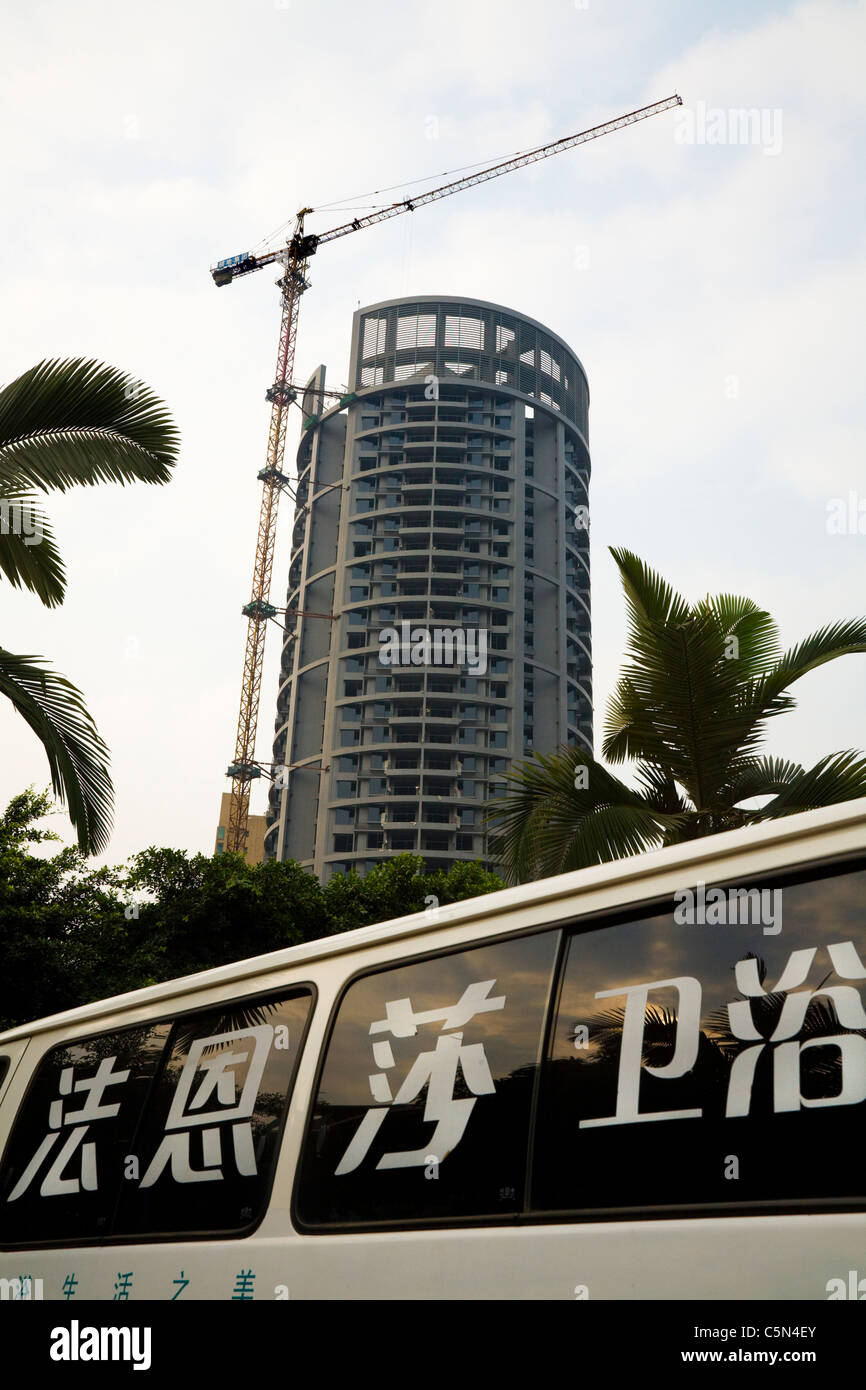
423,1105
65,1156
154,1130
209,1136
701,1059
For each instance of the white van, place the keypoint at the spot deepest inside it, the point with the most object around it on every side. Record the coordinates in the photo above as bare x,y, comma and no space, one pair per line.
641,1080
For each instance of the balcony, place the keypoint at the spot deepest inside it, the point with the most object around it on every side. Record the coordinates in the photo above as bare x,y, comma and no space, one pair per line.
435,816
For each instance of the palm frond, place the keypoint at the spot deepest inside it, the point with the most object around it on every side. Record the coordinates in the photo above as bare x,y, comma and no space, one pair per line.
761,777
77,756
661,790
29,557
72,421
835,778
690,709
678,705
547,825
836,639
756,635
649,597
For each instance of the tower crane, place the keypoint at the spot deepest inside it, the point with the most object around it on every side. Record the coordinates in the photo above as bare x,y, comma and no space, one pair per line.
293,257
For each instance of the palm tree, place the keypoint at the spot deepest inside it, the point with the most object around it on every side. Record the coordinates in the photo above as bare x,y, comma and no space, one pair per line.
63,424
690,708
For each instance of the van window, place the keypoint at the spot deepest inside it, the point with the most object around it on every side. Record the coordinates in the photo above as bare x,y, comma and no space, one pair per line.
710,1055
165,1129
65,1156
4,1067
423,1104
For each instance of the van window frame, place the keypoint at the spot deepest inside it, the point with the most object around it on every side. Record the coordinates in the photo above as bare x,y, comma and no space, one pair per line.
808,870
162,1238
805,871
395,963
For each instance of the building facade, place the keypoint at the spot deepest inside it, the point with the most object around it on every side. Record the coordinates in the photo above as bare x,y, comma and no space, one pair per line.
441,528
256,827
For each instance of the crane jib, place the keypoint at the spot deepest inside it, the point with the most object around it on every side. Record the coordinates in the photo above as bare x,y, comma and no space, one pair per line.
306,245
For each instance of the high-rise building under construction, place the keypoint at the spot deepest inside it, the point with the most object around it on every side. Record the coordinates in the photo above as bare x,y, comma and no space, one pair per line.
440,566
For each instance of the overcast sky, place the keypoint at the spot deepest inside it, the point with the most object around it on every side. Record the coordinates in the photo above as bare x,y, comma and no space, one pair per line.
713,291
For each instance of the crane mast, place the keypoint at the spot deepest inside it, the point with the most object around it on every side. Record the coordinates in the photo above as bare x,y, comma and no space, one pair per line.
294,256
281,395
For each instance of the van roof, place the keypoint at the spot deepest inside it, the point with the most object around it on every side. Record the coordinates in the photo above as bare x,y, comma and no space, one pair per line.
550,890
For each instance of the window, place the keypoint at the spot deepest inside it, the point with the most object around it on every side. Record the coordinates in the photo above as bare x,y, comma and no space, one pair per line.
344,844
401,841
4,1067
466,1026
739,1066
199,1101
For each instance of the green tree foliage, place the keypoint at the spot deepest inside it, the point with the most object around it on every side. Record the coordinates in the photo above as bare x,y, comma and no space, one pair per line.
61,923
70,934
